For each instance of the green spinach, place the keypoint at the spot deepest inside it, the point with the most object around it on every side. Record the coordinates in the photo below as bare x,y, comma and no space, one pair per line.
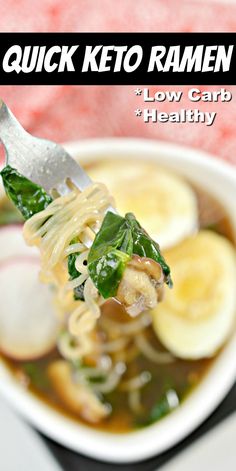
159,410
74,273
118,239
27,196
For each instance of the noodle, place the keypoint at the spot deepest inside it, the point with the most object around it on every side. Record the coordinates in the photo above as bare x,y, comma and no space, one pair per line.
80,264
111,376
137,382
114,345
73,248
77,281
65,218
150,352
134,398
92,372
112,380
75,215
128,328
70,348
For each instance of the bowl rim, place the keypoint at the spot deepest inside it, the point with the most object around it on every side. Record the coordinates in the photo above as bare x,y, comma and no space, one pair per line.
145,443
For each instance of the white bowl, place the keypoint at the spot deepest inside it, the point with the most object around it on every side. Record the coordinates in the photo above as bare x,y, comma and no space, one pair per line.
220,180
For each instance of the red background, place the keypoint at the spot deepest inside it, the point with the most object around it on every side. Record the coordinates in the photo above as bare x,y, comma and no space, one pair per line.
69,112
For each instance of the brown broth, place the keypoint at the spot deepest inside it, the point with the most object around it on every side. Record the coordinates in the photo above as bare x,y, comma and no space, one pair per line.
181,376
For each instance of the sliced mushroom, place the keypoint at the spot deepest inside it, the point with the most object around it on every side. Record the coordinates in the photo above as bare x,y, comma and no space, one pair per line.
141,286
79,398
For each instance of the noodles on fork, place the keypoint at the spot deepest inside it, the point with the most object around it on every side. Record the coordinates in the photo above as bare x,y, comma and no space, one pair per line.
67,218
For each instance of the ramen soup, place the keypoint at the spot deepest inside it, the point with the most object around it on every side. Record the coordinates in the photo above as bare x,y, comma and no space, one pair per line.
140,368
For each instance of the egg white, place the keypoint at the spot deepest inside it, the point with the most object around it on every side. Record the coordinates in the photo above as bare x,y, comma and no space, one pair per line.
164,204
196,324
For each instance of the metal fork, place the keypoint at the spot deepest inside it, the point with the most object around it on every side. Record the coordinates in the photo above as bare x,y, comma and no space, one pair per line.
44,162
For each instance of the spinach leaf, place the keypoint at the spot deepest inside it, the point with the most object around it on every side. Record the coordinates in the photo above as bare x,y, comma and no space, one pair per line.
158,412
74,273
145,246
28,197
71,266
111,250
118,239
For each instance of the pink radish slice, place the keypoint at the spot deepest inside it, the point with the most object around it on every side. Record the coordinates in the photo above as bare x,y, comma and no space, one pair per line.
28,323
12,243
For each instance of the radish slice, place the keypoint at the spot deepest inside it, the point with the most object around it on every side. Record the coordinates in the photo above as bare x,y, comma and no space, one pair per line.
12,243
28,323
